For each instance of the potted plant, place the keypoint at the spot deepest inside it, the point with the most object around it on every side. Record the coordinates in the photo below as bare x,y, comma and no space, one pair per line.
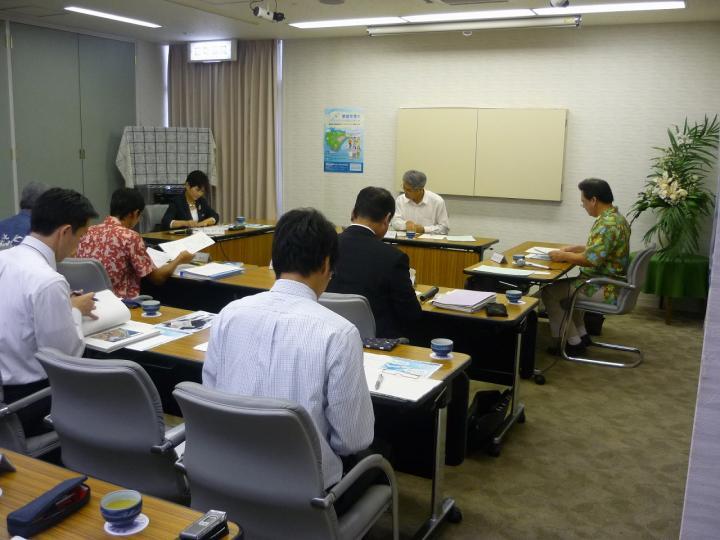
675,189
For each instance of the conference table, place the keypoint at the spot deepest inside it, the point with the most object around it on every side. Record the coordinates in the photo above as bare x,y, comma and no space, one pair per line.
33,477
179,360
252,245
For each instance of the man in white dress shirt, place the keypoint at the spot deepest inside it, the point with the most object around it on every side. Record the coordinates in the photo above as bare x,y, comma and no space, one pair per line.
283,344
37,308
419,209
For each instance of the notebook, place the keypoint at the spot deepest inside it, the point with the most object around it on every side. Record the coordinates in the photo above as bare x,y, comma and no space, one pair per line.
464,300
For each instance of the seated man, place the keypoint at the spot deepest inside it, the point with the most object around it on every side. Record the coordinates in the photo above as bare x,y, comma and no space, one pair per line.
419,209
15,228
282,344
374,269
37,309
606,254
121,250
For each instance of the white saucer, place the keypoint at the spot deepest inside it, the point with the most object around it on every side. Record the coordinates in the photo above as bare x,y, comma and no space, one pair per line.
436,357
520,303
151,316
140,523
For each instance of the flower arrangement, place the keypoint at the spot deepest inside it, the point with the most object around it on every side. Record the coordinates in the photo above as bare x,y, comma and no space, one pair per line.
675,190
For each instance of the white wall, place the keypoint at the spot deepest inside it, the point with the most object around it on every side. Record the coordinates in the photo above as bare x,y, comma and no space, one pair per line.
623,86
149,84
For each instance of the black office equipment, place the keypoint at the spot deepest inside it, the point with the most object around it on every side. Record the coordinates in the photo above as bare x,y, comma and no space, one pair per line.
381,344
427,295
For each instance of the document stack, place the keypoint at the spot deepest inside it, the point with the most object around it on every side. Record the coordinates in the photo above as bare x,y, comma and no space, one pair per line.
464,300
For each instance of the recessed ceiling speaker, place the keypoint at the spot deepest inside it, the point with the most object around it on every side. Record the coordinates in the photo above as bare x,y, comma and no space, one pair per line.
559,3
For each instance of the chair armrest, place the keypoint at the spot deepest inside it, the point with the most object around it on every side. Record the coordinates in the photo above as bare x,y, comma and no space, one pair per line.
16,406
608,281
374,461
173,437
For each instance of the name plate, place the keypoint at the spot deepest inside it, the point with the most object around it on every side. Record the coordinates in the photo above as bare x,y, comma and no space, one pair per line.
498,258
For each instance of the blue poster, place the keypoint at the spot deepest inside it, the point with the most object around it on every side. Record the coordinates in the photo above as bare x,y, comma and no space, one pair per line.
343,140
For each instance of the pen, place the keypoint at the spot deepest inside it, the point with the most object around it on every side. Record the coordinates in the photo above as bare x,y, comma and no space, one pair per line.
379,380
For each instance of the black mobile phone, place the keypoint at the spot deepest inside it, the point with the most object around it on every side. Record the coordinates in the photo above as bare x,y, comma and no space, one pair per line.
494,309
212,525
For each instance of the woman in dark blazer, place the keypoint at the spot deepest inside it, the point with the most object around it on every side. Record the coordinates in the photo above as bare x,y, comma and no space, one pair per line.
191,209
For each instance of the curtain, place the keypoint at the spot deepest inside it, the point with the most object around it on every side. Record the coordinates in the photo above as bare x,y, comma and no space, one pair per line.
236,100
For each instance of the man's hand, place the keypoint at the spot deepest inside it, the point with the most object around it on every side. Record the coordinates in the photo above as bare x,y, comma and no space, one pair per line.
557,255
419,229
410,225
184,257
85,303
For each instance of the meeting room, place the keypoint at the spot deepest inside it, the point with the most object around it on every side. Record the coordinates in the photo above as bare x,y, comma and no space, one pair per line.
357,269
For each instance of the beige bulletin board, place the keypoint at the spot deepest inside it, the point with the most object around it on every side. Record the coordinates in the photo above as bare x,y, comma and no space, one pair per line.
512,153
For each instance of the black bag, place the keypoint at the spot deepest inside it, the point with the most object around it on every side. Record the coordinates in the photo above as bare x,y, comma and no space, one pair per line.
487,412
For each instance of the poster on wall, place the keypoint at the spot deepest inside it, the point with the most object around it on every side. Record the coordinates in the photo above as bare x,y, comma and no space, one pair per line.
343,140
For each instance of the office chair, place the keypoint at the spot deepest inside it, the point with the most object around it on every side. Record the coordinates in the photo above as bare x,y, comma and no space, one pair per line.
108,416
354,307
259,460
151,217
627,297
12,435
84,274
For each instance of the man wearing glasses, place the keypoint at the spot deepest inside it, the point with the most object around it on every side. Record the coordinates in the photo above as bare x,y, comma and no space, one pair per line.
419,209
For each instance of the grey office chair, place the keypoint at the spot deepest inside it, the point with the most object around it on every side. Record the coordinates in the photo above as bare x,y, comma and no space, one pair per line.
627,297
86,274
108,416
151,217
259,460
354,307
12,435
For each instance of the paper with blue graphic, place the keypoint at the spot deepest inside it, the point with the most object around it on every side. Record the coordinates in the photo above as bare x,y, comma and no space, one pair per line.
344,140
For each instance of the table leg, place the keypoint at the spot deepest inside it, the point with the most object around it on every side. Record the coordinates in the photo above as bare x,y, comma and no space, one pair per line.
517,410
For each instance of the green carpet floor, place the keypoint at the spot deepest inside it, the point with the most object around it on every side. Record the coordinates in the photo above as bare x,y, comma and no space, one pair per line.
603,453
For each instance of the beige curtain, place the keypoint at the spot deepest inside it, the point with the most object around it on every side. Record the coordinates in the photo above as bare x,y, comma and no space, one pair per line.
236,100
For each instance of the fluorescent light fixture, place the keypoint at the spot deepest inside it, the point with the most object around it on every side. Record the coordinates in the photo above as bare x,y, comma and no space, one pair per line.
611,8
212,51
469,15
560,22
111,16
348,22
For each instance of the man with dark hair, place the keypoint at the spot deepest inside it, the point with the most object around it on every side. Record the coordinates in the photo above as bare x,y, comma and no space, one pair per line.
121,250
283,344
38,310
191,209
374,269
606,254
15,228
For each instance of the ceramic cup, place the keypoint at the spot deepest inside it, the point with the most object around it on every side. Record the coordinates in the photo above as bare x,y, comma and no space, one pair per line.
410,234
519,257
121,507
442,347
240,220
150,307
513,296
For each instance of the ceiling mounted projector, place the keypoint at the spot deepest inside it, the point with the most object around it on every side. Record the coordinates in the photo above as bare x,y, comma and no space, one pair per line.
265,13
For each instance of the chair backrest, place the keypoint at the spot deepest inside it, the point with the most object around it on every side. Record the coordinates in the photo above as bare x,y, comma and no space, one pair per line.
108,415
257,459
151,217
86,274
637,272
12,435
354,307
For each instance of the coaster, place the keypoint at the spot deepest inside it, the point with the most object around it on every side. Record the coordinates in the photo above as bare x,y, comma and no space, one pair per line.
140,523
146,316
518,303
435,357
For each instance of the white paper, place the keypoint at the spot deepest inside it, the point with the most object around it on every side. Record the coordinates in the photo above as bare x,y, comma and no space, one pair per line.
392,385
213,230
541,249
461,238
159,258
501,271
166,335
193,243
110,312
202,347
542,273
212,270
390,234
428,236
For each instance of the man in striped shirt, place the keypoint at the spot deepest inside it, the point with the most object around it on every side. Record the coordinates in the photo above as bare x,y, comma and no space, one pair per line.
282,344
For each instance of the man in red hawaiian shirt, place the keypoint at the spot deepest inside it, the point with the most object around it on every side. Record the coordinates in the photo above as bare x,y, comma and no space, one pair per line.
121,250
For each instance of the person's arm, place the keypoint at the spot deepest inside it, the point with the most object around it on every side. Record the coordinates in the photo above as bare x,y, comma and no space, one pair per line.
171,219
404,301
442,224
349,410
57,322
398,221
213,357
158,276
577,259
211,216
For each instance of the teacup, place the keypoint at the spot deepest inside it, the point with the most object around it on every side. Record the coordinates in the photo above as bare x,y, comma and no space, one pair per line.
240,220
410,234
150,307
519,257
513,296
442,347
121,507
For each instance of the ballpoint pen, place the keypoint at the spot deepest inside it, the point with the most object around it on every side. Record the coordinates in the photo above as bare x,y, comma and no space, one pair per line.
379,380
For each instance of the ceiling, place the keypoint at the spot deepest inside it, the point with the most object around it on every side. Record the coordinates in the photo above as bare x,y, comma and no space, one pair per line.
195,20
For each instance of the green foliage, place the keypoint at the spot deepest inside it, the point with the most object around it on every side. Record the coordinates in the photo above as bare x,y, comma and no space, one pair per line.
675,189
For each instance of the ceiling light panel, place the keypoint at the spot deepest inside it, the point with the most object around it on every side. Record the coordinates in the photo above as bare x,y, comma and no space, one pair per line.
111,16
348,22
611,8
469,15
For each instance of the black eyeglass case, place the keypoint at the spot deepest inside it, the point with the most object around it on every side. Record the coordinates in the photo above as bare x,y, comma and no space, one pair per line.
49,508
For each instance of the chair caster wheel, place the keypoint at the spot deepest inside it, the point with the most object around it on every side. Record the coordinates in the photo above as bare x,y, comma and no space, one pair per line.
539,379
494,450
454,515
521,419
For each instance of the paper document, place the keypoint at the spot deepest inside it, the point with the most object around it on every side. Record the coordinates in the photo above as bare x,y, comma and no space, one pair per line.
159,258
415,368
193,243
213,270
428,236
394,384
202,347
391,234
213,230
541,249
256,226
485,269
461,238
190,323
166,335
